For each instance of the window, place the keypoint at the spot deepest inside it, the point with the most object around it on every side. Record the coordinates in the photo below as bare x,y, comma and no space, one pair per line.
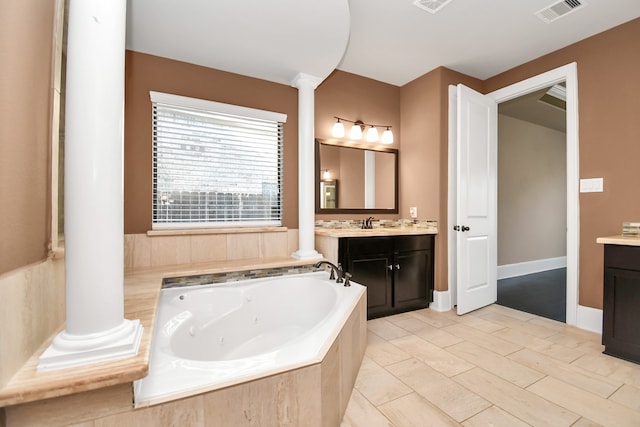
215,165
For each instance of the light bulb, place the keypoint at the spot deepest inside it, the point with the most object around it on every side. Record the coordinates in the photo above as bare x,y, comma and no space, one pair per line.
372,134
387,137
326,174
338,130
356,132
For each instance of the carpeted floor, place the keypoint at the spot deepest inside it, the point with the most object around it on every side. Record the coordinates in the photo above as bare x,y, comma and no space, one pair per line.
543,294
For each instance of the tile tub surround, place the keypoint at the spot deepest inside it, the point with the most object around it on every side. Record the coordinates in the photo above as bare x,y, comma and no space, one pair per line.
165,248
33,308
314,395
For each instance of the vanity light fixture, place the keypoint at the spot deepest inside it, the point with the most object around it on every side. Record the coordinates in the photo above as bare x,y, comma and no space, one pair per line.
387,136
326,174
372,134
338,129
357,130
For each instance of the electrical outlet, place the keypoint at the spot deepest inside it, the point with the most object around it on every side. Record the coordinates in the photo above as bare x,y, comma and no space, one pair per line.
592,185
413,212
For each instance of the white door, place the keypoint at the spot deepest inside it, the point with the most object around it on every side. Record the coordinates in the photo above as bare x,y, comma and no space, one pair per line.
475,227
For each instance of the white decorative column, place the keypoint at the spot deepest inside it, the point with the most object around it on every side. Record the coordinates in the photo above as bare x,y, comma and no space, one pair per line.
96,329
306,85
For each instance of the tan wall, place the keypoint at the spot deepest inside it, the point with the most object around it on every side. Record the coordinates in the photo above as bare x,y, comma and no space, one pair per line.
532,192
26,41
31,285
356,98
424,154
146,73
341,94
609,131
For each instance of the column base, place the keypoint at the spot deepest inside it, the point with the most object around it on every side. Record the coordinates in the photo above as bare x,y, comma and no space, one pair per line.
69,350
312,254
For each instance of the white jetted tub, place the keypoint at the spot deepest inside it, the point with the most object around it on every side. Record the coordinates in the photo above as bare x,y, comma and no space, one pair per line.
213,336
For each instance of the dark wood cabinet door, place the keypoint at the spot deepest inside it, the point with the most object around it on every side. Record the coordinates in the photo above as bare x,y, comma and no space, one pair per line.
411,281
621,313
373,272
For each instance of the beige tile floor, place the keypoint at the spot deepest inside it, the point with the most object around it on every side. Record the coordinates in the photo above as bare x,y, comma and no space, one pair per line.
492,367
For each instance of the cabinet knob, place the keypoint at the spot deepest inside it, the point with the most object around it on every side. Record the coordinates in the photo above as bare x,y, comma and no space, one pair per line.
397,266
390,267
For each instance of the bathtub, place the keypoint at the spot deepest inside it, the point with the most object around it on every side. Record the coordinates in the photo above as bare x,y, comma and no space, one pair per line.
213,336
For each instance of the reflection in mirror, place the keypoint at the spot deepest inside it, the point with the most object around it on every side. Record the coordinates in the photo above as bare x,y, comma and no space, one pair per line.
329,193
367,175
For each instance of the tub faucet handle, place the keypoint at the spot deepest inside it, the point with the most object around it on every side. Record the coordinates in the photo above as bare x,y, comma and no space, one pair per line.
339,279
347,277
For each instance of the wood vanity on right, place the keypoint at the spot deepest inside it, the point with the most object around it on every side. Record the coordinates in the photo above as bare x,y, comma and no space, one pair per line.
621,303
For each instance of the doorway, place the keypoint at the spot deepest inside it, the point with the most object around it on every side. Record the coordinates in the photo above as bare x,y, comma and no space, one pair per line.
568,74
532,203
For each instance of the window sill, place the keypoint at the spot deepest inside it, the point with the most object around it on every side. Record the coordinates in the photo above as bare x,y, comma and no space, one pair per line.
200,231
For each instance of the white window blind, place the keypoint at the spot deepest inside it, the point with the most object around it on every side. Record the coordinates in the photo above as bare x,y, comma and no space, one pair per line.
215,165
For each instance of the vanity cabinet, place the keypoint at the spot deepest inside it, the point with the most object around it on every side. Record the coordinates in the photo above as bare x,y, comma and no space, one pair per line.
397,271
621,304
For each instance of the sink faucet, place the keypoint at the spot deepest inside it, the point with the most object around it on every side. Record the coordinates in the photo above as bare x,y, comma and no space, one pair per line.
336,271
366,223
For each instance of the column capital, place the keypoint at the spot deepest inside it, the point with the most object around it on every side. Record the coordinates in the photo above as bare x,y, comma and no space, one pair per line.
303,79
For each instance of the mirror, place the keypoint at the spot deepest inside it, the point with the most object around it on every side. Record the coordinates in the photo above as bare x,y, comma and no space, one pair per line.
366,178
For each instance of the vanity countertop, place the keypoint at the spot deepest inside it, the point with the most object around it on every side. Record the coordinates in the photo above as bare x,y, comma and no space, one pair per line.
375,232
620,240
141,293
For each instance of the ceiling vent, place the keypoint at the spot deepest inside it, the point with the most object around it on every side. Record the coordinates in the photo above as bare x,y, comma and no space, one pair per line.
559,9
431,5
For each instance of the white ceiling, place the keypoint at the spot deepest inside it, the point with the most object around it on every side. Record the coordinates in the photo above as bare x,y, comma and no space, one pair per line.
388,40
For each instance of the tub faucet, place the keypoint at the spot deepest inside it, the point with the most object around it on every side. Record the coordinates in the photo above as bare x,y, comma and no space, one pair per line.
336,271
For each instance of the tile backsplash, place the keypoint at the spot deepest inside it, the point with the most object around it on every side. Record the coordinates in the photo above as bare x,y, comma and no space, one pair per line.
377,223
234,276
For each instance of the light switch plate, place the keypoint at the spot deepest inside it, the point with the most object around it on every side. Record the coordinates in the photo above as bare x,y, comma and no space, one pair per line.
592,185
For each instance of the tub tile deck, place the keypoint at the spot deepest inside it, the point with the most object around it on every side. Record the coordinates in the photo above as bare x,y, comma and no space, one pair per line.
141,293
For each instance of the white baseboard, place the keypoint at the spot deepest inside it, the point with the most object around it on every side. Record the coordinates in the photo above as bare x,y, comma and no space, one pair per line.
530,267
589,318
441,301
